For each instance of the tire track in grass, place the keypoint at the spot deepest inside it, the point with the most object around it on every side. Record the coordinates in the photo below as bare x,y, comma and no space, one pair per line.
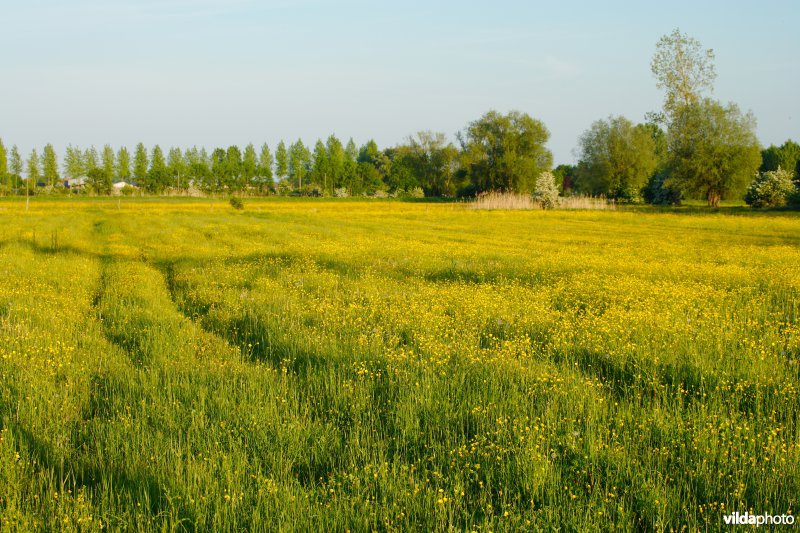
183,360
62,446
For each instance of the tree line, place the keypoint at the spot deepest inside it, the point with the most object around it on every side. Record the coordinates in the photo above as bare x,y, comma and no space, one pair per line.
497,152
694,147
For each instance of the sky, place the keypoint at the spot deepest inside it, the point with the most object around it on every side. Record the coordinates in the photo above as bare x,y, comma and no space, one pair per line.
216,73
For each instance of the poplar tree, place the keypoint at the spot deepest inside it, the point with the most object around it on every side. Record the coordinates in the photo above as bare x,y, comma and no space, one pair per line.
157,173
124,164
176,167
3,159
108,162
298,162
74,163
34,173
15,164
50,164
233,167
90,159
249,165
140,164
265,163
281,161
320,165
4,165
336,157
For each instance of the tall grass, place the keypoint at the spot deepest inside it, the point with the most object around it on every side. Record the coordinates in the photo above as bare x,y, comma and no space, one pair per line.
511,201
182,365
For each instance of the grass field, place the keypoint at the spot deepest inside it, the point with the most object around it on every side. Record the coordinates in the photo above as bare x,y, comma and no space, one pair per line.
321,365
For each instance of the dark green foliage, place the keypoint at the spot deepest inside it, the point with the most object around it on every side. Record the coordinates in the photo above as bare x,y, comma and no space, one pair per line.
281,161
237,203
785,156
616,159
99,182
108,162
426,160
140,164
565,176
658,193
505,152
233,173
713,150
157,175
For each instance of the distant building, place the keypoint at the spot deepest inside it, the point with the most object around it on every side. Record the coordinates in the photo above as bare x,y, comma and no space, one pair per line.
75,183
118,186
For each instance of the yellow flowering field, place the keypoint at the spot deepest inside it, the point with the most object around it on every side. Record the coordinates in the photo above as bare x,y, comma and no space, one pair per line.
176,364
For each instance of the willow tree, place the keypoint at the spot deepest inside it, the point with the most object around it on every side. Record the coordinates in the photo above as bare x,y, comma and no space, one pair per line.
713,150
616,158
50,165
505,152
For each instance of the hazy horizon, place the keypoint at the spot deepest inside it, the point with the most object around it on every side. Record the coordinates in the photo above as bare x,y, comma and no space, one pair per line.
213,73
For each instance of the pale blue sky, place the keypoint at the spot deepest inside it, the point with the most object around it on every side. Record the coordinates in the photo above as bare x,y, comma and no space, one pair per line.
215,73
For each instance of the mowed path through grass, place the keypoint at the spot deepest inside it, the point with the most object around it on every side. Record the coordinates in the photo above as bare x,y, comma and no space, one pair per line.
371,365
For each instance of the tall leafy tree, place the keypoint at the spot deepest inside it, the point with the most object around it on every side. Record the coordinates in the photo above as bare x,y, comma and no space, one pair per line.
108,162
140,165
90,159
320,172
505,152
176,169
431,160
34,170
50,165
683,69
249,166
233,168
350,166
123,164
74,166
713,150
198,169
785,156
4,174
219,169
378,163
157,175
336,162
299,158
265,163
616,159
15,164
99,181
281,161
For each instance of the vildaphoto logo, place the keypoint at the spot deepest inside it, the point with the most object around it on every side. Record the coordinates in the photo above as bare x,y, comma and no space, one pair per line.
747,519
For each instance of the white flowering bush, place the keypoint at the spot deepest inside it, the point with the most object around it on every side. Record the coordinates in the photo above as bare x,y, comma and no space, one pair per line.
770,189
546,190
341,192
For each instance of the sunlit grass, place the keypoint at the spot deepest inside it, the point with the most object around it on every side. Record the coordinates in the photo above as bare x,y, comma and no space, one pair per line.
178,364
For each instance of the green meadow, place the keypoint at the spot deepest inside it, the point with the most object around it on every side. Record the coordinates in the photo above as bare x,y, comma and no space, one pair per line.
180,365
